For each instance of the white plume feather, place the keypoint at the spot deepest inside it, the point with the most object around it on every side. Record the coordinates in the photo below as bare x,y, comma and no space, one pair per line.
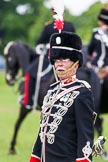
58,6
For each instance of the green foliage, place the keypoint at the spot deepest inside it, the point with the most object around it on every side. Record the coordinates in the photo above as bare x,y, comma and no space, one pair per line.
87,21
83,23
36,28
14,25
27,27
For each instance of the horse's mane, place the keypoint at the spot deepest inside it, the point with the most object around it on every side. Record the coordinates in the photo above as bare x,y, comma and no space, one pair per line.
22,53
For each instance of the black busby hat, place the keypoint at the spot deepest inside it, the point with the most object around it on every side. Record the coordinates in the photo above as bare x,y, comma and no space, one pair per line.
103,15
66,45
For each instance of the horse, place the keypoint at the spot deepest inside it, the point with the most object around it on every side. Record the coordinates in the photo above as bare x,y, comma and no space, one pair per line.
18,55
41,82
21,57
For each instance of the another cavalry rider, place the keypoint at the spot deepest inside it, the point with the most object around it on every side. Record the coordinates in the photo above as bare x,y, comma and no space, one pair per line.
66,129
98,46
98,51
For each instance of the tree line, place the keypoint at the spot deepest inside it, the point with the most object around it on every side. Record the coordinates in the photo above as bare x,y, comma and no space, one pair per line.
24,20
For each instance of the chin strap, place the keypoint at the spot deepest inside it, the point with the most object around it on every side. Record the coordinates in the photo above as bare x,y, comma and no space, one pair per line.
68,70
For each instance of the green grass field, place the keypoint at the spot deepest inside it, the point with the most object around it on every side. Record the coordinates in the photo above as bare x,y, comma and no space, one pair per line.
9,110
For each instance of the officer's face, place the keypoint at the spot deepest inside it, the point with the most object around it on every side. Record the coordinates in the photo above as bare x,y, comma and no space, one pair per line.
65,68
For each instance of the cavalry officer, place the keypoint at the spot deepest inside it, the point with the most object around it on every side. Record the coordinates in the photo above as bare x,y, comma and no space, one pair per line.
98,46
66,129
98,51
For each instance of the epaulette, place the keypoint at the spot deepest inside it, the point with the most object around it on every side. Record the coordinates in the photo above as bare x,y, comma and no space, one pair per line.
99,30
54,84
86,84
96,29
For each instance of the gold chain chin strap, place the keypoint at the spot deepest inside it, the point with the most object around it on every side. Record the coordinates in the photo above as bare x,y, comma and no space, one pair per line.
66,71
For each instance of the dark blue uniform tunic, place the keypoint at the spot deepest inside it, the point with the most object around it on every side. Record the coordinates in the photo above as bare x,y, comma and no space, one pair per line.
66,127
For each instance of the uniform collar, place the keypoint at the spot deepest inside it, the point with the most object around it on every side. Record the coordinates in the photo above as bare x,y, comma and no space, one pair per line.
69,80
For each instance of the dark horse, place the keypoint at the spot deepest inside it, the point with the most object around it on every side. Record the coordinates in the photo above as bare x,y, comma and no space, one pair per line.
18,55
41,83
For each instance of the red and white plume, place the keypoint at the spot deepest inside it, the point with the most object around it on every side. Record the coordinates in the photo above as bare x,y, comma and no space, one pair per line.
58,6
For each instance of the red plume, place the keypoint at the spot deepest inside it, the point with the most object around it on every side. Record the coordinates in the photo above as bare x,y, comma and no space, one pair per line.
58,6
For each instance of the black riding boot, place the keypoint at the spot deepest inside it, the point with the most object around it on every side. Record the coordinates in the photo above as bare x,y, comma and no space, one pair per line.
99,126
22,115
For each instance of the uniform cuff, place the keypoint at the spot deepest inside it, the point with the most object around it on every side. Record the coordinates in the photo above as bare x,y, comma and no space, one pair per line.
83,160
34,158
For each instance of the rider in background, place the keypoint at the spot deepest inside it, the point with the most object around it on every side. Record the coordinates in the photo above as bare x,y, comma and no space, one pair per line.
98,52
98,47
49,29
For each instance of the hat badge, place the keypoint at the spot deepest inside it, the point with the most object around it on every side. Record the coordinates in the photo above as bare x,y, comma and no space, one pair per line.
58,40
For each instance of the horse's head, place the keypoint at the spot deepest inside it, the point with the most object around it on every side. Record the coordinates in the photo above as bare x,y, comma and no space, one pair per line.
12,66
